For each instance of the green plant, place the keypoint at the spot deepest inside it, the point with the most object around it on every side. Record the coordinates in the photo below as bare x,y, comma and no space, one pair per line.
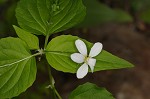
37,17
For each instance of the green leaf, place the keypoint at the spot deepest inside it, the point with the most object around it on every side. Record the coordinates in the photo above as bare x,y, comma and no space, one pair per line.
31,40
17,67
61,47
90,91
99,13
45,17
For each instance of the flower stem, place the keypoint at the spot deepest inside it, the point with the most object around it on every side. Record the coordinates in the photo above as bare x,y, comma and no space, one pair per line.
51,79
52,86
59,97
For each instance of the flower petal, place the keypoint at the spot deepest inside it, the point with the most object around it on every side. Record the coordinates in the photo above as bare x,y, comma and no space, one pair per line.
77,57
81,47
91,63
96,49
82,71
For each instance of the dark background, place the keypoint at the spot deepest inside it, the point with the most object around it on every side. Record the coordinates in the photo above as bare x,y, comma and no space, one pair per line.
123,26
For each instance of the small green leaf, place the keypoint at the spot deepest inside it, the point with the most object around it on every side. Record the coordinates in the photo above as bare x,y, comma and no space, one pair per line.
31,40
61,47
17,67
45,17
90,91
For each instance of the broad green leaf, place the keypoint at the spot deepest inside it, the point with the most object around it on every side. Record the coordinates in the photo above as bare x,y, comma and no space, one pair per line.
61,47
31,40
98,13
17,67
44,17
90,91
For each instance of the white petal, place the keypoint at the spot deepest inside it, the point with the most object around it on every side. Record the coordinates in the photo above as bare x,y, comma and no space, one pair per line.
82,71
77,57
81,47
96,49
91,63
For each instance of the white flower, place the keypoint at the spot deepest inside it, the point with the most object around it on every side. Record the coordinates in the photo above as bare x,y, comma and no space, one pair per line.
84,58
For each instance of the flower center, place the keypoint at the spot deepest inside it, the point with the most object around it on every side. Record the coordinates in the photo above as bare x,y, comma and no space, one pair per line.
86,59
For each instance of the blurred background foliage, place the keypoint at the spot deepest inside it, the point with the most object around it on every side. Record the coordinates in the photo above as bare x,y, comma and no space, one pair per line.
98,12
131,17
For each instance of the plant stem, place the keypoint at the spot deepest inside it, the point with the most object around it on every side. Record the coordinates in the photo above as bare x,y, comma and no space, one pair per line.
52,82
46,41
59,97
